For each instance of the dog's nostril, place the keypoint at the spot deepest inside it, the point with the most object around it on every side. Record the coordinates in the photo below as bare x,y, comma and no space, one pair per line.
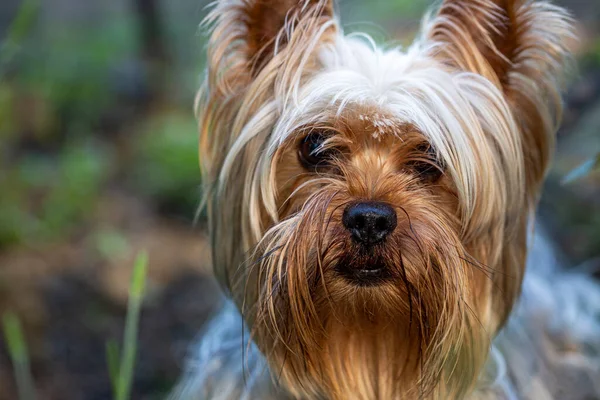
381,224
359,222
369,222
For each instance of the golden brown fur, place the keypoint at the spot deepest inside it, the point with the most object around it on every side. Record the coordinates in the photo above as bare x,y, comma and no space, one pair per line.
481,87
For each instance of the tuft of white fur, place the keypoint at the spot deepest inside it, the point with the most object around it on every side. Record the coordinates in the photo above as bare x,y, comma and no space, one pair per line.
526,362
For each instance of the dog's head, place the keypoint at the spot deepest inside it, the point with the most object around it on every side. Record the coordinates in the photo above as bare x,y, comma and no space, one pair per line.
369,207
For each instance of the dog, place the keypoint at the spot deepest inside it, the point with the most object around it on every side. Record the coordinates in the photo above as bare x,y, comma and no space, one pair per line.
370,209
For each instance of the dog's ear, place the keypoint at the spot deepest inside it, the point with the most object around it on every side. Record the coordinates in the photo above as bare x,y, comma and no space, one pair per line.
521,46
257,49
247,34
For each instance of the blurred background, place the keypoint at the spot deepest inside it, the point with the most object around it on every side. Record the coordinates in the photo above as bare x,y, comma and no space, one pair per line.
98,160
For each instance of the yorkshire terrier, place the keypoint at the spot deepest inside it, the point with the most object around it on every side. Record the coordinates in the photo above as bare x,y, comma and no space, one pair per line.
370,208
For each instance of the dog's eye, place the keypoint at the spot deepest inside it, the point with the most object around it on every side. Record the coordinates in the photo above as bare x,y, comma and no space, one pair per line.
312,153
426,165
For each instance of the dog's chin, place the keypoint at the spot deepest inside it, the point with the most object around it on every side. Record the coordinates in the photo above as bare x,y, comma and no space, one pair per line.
399,303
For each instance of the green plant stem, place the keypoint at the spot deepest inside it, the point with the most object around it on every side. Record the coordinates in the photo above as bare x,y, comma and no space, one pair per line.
19,356
134,305
112,359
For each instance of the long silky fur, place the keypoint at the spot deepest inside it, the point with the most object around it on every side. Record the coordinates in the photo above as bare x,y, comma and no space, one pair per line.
481,85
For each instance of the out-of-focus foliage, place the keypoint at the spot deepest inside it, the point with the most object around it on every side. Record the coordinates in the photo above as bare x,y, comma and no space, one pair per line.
77,118
44,196
166,162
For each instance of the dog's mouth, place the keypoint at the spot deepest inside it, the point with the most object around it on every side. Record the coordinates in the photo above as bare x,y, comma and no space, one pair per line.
363,270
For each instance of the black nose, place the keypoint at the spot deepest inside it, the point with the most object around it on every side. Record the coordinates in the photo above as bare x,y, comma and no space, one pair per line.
369,222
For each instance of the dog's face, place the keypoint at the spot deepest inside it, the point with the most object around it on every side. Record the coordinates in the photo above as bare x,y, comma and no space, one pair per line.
369,207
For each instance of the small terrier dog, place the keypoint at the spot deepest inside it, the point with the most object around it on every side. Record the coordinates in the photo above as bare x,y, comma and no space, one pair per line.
370,208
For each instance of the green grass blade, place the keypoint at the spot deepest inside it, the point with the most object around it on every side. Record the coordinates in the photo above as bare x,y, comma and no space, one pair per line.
17,348
136,294
112,359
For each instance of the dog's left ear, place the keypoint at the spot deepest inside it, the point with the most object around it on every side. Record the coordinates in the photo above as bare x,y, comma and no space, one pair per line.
248,34
521,46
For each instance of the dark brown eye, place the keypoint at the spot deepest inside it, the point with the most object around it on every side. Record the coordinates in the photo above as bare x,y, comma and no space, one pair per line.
312,153
426,165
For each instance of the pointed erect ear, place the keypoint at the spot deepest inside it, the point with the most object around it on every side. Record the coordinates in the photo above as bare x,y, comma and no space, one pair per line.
521,46
247,34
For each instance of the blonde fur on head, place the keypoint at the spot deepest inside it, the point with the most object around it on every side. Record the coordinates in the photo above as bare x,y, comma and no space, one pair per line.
305,132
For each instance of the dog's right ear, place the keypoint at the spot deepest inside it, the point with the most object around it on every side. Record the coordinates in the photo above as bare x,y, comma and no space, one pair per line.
248,34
